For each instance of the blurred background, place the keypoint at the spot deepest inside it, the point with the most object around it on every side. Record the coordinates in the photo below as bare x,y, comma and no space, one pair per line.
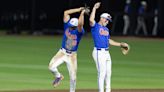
31,34
45,16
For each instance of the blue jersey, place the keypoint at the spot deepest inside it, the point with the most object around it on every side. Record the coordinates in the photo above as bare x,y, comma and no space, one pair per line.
100,36
127,9
71,38
141,10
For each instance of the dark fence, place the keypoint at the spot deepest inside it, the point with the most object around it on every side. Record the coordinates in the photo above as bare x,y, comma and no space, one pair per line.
45,16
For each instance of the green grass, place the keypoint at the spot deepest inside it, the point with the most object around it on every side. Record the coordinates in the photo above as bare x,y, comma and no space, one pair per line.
24,64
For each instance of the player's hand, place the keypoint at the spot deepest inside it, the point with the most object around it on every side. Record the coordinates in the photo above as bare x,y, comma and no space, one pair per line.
97,5
125,48
81,8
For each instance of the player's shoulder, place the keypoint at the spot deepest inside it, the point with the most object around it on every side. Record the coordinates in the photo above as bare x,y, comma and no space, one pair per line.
97,24
65,22
94,24
66,25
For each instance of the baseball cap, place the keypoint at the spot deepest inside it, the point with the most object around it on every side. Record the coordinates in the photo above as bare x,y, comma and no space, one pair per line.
106,16
143,3
73,22
128,1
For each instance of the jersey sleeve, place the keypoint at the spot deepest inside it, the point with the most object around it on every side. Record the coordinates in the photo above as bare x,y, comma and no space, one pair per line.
94,28
65,26
82,32
94,24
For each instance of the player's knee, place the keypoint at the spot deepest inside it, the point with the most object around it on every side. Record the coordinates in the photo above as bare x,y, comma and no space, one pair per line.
102,74
73,81
51,64
73,77
52,67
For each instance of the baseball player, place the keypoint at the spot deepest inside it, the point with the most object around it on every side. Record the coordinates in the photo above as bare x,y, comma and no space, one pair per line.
155,27
141,20
73,32
126,17
101,56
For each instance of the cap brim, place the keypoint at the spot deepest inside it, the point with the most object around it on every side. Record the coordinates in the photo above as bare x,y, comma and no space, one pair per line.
70,25
109,19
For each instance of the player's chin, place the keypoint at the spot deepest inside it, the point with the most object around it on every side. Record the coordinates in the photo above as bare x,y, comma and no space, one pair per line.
105,24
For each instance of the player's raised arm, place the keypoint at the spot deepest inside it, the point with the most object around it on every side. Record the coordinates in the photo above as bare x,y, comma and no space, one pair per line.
92,16
81,20
70,11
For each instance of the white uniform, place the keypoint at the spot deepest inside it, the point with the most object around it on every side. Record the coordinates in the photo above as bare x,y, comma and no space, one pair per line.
67,54
103,63
101,56
71,62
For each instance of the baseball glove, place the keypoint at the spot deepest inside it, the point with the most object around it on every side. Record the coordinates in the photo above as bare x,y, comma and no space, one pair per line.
87,10
125,48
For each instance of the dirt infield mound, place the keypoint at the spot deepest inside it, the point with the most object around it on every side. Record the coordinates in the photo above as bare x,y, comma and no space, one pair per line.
114,90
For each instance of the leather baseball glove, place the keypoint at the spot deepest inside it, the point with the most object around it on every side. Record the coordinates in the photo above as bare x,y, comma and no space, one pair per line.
125,48
87,9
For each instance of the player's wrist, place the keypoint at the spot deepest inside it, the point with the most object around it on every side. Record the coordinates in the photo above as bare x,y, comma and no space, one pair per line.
121,44
94,8
81,8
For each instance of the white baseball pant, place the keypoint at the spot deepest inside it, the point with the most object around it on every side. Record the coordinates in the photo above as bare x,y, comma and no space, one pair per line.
126,24
103,63
141,24
71,61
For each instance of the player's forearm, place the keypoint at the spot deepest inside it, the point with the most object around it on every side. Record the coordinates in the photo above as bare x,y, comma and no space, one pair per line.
81,18
114,43
71,11
92,16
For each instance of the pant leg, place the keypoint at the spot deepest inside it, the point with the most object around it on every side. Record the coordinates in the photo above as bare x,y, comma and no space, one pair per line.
144,27
100,60
55,62
72,68
108,73
126,24
155,28
138,25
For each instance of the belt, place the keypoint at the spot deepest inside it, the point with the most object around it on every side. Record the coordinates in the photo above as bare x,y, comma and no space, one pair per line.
106,49
67,51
